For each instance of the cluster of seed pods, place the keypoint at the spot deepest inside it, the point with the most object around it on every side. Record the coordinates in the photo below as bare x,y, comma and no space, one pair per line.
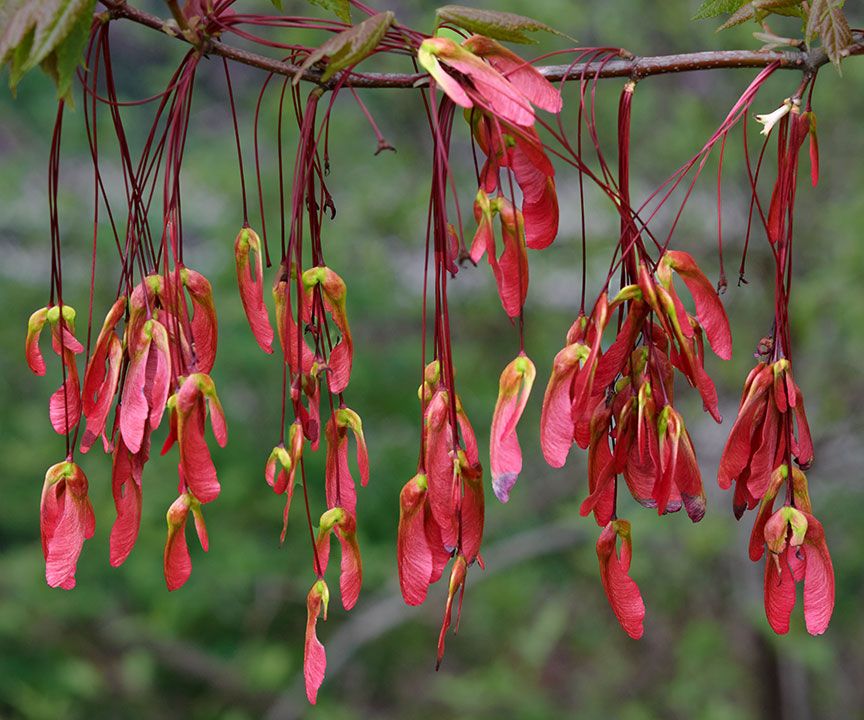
151,355
616,402
769,445
442,506
157,345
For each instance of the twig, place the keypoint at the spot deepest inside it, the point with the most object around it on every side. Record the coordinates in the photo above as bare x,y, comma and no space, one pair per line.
635,67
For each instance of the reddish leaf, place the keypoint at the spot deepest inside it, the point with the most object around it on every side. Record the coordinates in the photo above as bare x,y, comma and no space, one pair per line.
171,437
351,571
688,479
484,238
177,565
520,73
762,462
779,591
441,554
314,657
214,408
641,470
101,396
279,455
344,525
447,82
250,280
157,381
204,325
96,372
800,493
64,406
675,310
31,345
612,361
134,407
602,466
541,216
582,390
737,452
290,338
471,516
457,583
668,434
502,98
64,328
622,591
195,461
819,579
413,554
505,455
66,520
798,552
556,423
469,438
511,269
438,442
802,446
295,451
709,309
334,294
766,507
828,20
126,471
339,483
200,526
347,418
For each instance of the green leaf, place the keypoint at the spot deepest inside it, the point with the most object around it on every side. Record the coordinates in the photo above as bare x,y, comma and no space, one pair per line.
33,31
52,27
348,47
17,19
340,8
18,59
828,22
713,8
497,25
277,4
68,54
758,10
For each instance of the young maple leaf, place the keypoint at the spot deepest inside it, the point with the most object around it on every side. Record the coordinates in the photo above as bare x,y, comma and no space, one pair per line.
505,455
621,589
177,564
101,382
314,656
344,525
66,519
250,280
798,552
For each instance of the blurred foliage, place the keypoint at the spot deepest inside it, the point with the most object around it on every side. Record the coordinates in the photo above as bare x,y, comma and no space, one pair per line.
537,638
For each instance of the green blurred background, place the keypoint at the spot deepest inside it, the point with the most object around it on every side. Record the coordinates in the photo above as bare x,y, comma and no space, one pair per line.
537,638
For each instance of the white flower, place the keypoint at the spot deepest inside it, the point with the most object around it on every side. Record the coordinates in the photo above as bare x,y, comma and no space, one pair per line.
771,119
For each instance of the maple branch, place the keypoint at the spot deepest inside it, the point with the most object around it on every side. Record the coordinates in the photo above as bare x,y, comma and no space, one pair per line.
635,67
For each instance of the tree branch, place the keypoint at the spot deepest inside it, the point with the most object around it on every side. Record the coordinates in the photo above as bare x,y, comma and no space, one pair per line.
637,67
